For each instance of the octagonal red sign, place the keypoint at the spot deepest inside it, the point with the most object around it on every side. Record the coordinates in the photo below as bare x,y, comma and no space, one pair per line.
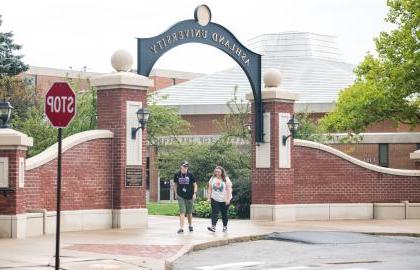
60,104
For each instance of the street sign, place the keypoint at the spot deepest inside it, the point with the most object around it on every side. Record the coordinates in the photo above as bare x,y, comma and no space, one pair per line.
60,104
60,108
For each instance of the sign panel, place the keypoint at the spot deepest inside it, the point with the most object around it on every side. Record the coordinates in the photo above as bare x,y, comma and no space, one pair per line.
133,176
60,104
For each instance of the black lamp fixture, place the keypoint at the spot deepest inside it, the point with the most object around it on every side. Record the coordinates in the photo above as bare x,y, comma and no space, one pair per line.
293,125
143,116
5,112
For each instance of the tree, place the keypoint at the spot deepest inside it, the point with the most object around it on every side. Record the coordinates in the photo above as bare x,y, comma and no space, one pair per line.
164,122
44,135
309,129
10,63
22,98
235,124
236,159
387,86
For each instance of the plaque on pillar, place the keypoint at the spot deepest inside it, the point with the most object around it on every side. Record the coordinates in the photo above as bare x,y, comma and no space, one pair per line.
133,176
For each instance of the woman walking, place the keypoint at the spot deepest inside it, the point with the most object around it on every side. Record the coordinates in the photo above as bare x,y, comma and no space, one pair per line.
220,194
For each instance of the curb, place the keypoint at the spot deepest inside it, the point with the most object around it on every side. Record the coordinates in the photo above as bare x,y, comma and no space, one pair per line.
169,263
394,234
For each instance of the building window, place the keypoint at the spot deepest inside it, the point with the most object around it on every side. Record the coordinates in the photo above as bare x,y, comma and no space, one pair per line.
384,155
30,80
418,146
173,81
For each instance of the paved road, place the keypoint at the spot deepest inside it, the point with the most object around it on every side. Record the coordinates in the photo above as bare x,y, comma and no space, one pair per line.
310,250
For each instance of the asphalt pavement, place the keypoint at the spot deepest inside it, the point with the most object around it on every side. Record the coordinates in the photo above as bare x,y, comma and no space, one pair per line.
310,250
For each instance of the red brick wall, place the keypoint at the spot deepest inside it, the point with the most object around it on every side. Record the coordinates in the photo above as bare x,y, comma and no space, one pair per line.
399,156
86,179
163,82
204,124
13,203
44,83
367,152
112,111
321,177
399,153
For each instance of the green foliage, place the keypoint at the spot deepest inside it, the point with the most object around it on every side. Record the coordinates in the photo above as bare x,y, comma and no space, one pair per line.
85,118
387,86
309,128
164,122
171,155
235,123
164,209
10,63
242,197
203,158
202,209
44,135
20,94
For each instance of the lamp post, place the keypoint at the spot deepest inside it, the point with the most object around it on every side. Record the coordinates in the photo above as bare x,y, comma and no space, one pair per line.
142,116
5,112
293,125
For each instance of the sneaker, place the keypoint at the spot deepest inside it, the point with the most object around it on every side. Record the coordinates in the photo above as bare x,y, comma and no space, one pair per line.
180,231
224,229
191,228
212,228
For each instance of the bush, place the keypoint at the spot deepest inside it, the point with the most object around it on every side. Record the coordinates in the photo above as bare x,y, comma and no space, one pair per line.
242,197
203,209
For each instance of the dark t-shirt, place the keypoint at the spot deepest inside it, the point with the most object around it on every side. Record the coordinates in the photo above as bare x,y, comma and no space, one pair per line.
185,188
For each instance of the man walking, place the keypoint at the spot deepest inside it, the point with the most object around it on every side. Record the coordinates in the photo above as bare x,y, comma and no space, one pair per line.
185,189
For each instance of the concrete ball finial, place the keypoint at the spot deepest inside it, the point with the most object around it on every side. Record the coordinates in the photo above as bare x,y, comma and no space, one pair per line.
122,60
272,78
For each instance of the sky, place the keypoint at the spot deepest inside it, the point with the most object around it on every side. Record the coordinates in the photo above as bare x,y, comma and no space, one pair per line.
85,33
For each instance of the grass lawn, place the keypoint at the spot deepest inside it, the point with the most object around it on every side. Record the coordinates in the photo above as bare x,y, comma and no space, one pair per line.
165,209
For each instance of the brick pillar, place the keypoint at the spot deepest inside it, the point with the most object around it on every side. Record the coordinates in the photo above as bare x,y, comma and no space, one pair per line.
272,168
13,146
120,95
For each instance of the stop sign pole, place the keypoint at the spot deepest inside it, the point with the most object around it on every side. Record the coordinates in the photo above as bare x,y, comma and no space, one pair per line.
60,108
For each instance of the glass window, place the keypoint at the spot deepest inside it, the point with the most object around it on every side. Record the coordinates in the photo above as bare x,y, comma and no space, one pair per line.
384,155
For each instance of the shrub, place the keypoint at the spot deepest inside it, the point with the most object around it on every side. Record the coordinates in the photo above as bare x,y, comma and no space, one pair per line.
203,209
242,197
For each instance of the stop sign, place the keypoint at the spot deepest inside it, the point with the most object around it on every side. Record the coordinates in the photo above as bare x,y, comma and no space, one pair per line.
60,104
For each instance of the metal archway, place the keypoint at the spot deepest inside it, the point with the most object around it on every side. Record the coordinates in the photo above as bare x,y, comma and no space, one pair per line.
201,30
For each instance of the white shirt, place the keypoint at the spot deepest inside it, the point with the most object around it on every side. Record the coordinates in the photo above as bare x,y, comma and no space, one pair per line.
221,191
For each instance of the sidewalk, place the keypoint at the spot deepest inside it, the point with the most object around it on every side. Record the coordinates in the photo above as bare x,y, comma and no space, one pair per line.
149,248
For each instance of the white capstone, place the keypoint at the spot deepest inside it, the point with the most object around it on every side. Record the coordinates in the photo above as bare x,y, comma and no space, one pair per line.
13,138
122,60
272,78
415,155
